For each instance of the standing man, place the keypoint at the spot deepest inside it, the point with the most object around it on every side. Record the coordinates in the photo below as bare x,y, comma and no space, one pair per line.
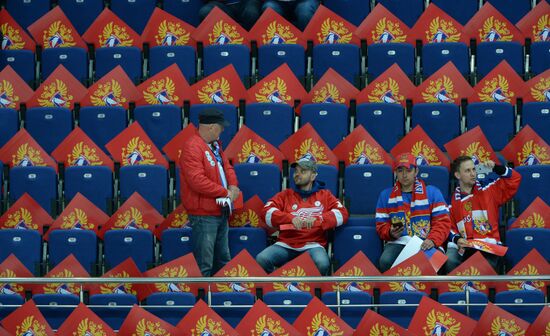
208,188
475,209
410,208
303,215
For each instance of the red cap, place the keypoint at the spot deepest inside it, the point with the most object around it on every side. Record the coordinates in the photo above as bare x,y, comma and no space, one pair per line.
406,160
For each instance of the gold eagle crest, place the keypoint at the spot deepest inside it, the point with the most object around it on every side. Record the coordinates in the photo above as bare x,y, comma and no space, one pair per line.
532,154
137,152
541,31
247,218
267,326
333,32
387,31
440,91
58,35
425,154
215,92
173,272
273,91
328,93
526,285
347,286
11,37
77,219
364,153
324,325
477,152
461,286
238,271
207,326
502,326
439,323
541,90
62,288
7,97
150,328
130,219
30,326
253,152
10,288
89,328
407,286
171,34
441,30
114,35
161,92
21,219
309,148
224,33
295,286
496,90
277,33
180,220
83,155
108,94
114,288
56,94
27,156
535,220
494,30
383,330
386,92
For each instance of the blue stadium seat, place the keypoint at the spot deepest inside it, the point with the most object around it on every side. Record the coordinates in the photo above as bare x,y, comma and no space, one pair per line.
535,181
39,182
490,54
517,297
160,122
540,57
135,13
26,245
440,120
93,182
513,10
169,313
384,122
176,243
9,124
348,240
81,13
230,114
290,299
21,61
462,11
537,115
25,12
102,123
262,179
107,307
436,55
342,58
7,300
400,315
161,57
496,121
351,315
228,306
361,221
129,58
216,57
82,244
271,56
407,11
381,56
135,243
358,179
457,301
74,59
251,239
272,121
437,176
49,125
330,121
522,241
354,11
186,10
325,173
54,315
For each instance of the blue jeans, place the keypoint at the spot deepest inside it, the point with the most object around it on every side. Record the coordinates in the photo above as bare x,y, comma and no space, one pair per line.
390,253
276,256
302,10
210,243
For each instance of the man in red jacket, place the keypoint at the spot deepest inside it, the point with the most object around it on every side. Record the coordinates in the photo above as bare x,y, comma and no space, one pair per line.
302,215
208,189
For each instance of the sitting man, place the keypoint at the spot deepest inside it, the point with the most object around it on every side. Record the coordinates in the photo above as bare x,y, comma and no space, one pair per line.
410,208
303,216
475,209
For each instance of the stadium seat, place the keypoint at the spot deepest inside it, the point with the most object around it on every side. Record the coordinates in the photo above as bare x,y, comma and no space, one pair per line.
74,59
361,221
7,300
135,13
437,176
129,58
216,57
351,315
251,239
537,115
186,10
21,61
272,121
325,173
342,58
289,299
271,56
39,182
401,315
81,13
496,121
462,11
160,122
55,315
150,181
457,301
106,307
358,179
227,306
175,243
230,114
407,11
25,12
440,120
49,125
540,57
26,245
381,56
82,244
135,243
534,182
330,121
515,298
436,55
490,54
93,182
169,313
102,123
348,240
513,10
9,123
384,122
262,179
354,11
161,57
522,241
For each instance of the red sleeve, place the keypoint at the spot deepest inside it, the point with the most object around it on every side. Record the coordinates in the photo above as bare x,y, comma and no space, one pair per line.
229,172
503,189
383,230
335,213
192,168
274,213
439,229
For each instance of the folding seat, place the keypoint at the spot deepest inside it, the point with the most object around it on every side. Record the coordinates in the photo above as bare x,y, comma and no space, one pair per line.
534,182
81,13
93,182
82,244
107,307
462,11
49,125
55,315
26,245
135,13
351,315
457,301
436,55
262,179
253,240
407,11
186,10
160,122
39,182
175,243
343,58
522,241
230,114
540,57
150,181
25,12
129,58
513,10
360,178
384,122
227,306
348,240
437,176
490,54
169,311
325,173
135,243
290,299
272,121
440,120
9,300
537,115
102,123
215,57
512,301
331,121
271,56
354,11
161,57
9,124
361,221
21,61
381,56
496,121
400,313
74,59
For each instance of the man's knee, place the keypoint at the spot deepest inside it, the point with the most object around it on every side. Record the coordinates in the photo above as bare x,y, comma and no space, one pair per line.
264,260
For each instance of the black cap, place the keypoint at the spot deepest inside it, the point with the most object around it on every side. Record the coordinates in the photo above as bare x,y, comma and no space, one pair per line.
212,116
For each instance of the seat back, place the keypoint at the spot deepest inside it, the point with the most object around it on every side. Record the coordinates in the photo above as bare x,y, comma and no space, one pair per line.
102,123
254,240
401,315
383,55
290,299
348,240
169,313
358,178
437,176
384,122
9,124
129,58
496,121
343,58
176,243
490,54
186,10
26,245
108,307
351,315
512,301
330,121
513,10
462,11
354,11
73,59
25,12
272,121
81,13
39,182
271,56
9,300
228,306
217,57
160,122
436,55
457,301
161,57
82,244
540,57
93,182
21,61
135,13
537,115
440,120
55,315
134,243
522,241
407,11
534,182
49,125
150,181
262,179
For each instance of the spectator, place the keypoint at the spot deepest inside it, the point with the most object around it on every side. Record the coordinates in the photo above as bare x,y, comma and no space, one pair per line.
300,10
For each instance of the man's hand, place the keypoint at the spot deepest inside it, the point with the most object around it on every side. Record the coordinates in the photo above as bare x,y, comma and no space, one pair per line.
427,244
308,222
461,242
233,192
396,230
297,222
489,164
